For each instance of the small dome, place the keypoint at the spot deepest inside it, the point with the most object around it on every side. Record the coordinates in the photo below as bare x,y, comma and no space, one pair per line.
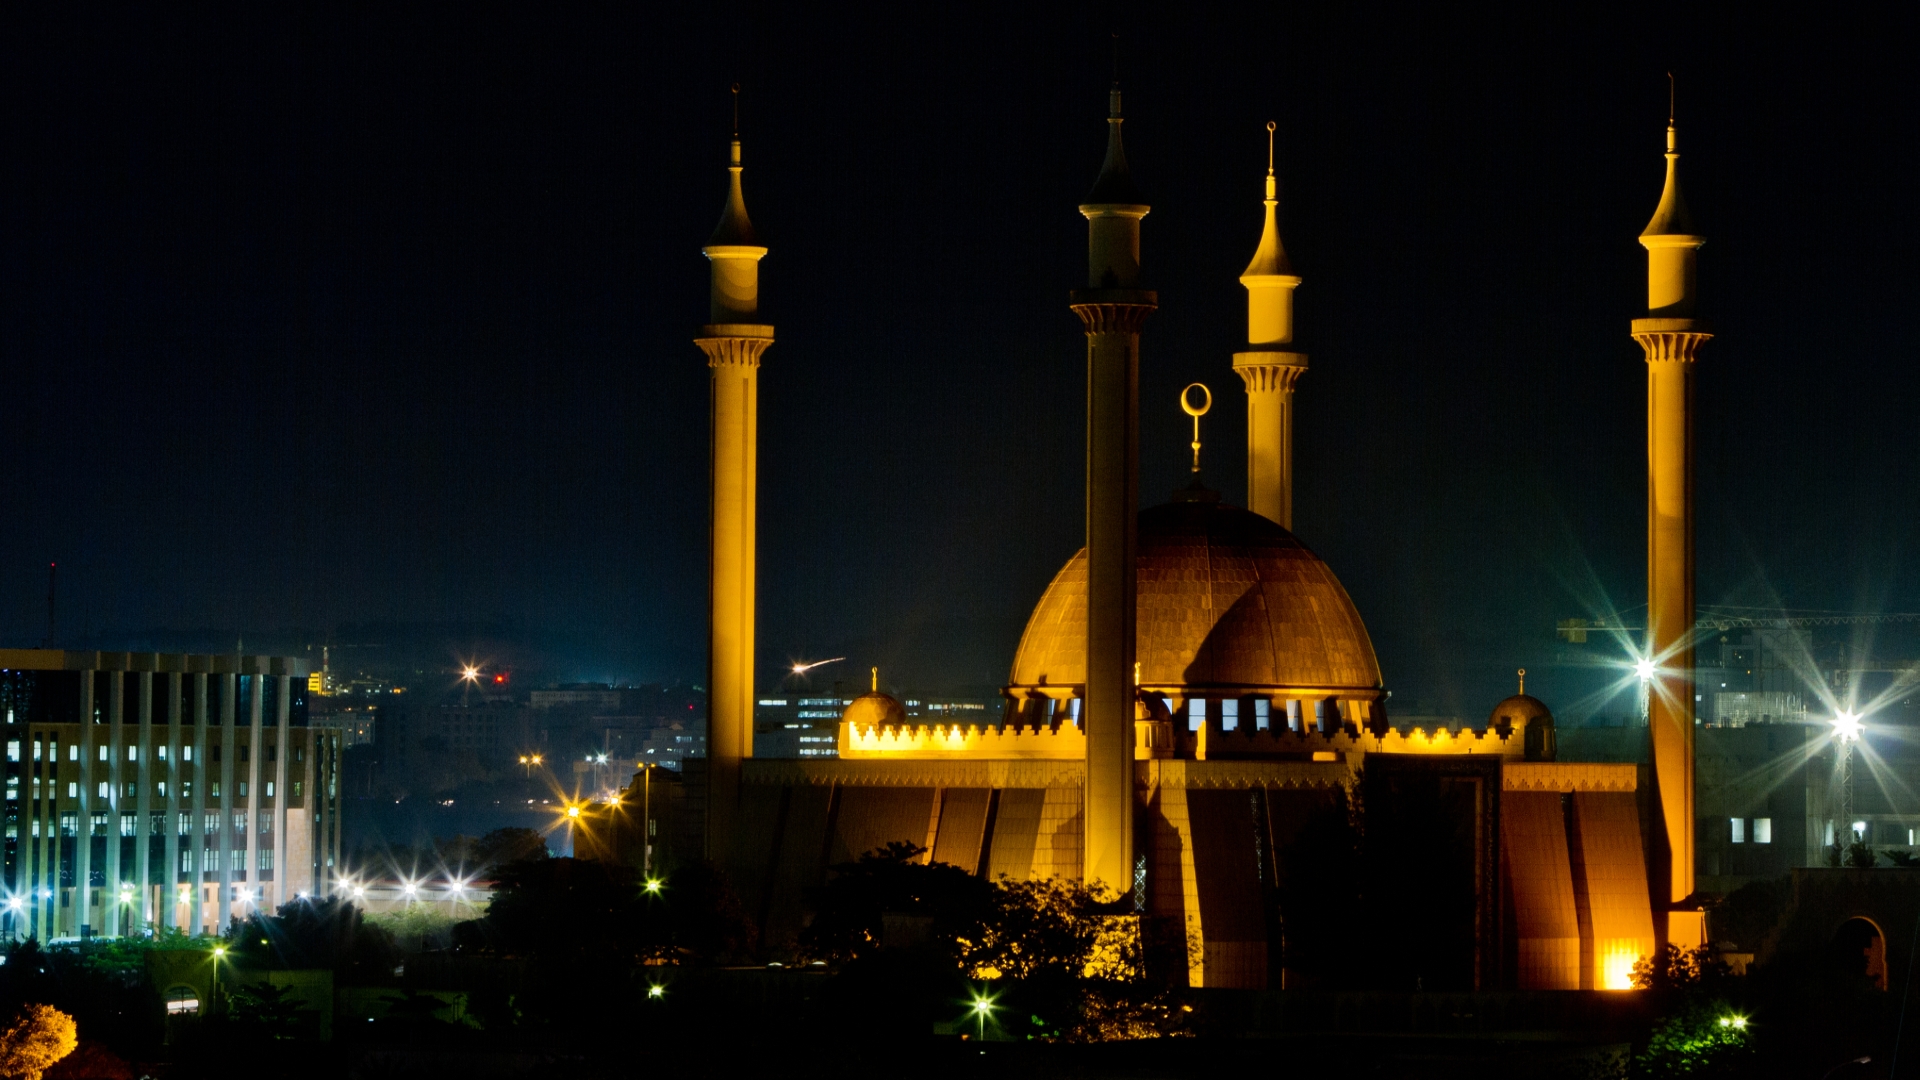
875,709
1521,709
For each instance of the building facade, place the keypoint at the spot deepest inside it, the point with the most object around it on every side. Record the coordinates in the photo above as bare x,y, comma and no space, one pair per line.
160,791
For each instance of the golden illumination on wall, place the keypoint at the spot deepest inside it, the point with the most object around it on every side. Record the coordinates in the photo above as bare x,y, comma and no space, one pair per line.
1616,968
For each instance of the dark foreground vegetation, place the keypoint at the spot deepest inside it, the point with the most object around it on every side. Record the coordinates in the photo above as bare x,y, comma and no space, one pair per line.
586,969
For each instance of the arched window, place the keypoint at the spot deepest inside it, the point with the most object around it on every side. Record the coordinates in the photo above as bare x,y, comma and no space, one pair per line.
1862,948
183,1001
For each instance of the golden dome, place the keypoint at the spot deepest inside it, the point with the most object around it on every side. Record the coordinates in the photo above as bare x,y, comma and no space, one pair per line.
1227,598
874,708
1519,709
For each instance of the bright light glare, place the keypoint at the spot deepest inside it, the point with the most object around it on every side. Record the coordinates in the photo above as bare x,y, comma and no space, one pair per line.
14,904
470,674
219,951
573,811
653,885
1738,1023
1644,669
982,1006
656,991
1846,726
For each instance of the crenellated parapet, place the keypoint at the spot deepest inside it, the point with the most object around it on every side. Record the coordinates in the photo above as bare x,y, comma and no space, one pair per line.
1162,740
1013,741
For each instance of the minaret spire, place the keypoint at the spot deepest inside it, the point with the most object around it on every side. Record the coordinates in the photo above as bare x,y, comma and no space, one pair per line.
1267,367
733,341
1112,308
1671,337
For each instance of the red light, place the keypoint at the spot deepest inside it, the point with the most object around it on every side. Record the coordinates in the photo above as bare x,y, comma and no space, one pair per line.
499,678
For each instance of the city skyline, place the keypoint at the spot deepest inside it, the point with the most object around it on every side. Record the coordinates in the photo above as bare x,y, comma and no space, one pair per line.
430,332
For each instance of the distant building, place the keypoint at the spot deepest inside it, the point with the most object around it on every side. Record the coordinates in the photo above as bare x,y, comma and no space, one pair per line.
808,725
154,790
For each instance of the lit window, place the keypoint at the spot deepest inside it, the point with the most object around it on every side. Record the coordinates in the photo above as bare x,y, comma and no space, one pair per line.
133,753
1739,830
1763,830
129,825
73,751
1196,714
186,753
103,789
73,790
1261,716
36,749
269,789
1230,715
162,752
13,749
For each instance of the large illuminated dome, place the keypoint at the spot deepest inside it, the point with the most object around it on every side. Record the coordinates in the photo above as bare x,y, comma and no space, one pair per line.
1230,605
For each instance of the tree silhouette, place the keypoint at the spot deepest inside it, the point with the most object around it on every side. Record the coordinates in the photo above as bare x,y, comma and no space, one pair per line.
37,1036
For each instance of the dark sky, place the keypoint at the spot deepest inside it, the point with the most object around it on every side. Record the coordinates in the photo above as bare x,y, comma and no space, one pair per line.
313,318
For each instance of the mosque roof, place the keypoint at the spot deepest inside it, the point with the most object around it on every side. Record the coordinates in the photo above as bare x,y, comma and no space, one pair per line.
1226,598
1520,708
874,708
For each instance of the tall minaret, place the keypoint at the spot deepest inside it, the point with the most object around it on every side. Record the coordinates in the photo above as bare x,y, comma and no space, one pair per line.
733,341
1671,336
1268,370
1112,307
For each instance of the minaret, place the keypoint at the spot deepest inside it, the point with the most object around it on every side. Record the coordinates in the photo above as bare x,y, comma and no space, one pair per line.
1268,369
733,341
1112,307
1671,336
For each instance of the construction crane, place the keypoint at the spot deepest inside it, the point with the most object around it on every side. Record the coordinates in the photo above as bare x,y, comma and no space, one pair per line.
1575,630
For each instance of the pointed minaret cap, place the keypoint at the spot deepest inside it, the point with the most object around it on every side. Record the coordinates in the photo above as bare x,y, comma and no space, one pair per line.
1270,258
1670,218
1114,186
735,228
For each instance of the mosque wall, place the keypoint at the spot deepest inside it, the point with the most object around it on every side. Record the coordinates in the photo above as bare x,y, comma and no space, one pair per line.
1544,861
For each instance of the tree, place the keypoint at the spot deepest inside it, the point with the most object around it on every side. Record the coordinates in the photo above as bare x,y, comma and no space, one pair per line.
1706,1038
851,909
509,845
38,1036
263,1011
1675,968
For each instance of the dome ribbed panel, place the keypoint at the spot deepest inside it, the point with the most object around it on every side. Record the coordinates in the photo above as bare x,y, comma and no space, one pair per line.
1226,598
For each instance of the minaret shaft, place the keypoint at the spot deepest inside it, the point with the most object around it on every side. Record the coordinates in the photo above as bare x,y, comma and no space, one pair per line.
733,343
1112,308
1671,338
1113,484
1269,378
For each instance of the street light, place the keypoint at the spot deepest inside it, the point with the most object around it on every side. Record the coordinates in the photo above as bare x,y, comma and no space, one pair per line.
982,1006
656,992
1645,669
1847,730
653,886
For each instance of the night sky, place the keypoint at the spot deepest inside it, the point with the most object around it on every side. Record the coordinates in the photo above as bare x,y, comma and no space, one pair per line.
317,320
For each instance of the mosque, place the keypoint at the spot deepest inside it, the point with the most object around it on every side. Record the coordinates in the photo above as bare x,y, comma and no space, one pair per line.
1195,688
